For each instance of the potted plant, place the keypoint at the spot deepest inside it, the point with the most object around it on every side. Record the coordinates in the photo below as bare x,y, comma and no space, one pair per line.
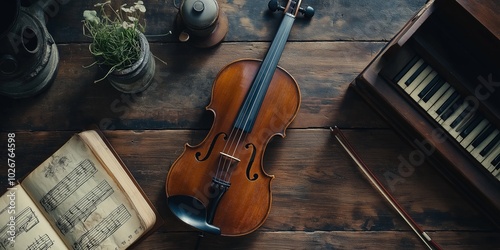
119,45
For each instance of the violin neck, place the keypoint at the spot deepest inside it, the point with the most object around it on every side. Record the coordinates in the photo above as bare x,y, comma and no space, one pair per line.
273,55
255,97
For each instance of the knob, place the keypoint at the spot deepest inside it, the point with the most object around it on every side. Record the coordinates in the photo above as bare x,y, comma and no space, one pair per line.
273,6
308,12
198,6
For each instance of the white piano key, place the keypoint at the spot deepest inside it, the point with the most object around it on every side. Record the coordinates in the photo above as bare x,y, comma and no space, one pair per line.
451,109
465,142
487,161
448,107
475,151
406,68
416,82
427,105
497,174
491,146
408,74
414,94
432,110
481,137
496,168
468,116
447,124
419,76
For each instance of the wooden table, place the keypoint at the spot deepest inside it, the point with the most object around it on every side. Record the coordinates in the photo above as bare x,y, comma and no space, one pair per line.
320,199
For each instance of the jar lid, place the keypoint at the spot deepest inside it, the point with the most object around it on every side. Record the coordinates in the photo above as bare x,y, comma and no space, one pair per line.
199,14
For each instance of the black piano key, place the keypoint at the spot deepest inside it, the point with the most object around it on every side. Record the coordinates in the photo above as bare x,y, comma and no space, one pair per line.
447,103
462,115
406,68
484,134
453,107
429,86
471,125
416,74
496,162
490,145
434,89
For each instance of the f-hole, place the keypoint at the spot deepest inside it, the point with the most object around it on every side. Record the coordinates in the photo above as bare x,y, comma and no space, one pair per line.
212,145
250,163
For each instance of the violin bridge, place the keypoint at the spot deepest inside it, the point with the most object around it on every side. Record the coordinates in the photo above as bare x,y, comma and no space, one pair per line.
230,157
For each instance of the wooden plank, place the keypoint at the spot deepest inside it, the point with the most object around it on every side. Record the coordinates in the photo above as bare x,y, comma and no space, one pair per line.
323,240
181,89
249,21
314,176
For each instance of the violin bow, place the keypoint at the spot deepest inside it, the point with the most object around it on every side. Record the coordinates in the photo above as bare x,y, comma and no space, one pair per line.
426,239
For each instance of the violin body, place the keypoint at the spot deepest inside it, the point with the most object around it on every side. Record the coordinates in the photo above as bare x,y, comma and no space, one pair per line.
220,186
246,202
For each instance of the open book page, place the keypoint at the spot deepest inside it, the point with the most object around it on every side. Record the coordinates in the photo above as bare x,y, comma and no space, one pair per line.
22,224
82,201
101,150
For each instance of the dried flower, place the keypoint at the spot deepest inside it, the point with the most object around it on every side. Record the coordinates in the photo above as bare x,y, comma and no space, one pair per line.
114,33
91,16
102,4
141,8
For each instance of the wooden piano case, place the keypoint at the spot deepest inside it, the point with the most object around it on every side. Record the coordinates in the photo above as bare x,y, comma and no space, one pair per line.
460,39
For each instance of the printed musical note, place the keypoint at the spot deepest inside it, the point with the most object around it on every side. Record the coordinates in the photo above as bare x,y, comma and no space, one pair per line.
24,221
104,229
84,207
68,185
42,243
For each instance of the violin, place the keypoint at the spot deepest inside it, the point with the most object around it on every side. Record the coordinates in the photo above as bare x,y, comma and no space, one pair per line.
219,186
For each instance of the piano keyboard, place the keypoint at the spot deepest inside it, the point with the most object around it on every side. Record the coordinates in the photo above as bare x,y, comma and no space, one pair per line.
456,114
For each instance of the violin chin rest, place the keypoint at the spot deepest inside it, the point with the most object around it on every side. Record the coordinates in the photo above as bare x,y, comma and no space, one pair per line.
192,212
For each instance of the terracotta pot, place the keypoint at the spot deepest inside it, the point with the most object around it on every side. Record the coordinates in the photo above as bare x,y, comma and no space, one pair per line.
139,75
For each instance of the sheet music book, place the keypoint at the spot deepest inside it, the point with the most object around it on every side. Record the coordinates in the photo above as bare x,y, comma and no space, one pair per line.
82,197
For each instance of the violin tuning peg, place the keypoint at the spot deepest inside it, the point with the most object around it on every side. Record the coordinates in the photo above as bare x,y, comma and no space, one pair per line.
273,6
308,12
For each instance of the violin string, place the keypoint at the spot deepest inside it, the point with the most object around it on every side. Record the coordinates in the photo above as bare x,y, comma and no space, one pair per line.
247,110
268,69
281,37
228,166
226,163
230,141
220,171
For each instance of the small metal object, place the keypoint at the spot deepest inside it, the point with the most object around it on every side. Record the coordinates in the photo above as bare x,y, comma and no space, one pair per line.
201,23
274,5
28,55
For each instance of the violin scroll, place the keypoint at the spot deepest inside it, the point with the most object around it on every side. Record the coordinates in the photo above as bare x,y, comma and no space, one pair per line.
274,6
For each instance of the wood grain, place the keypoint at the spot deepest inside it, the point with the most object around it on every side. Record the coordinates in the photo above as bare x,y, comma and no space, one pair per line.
320,200
181,89
317,193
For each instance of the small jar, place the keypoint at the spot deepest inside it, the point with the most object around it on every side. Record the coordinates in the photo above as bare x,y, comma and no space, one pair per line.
201,22
199,16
